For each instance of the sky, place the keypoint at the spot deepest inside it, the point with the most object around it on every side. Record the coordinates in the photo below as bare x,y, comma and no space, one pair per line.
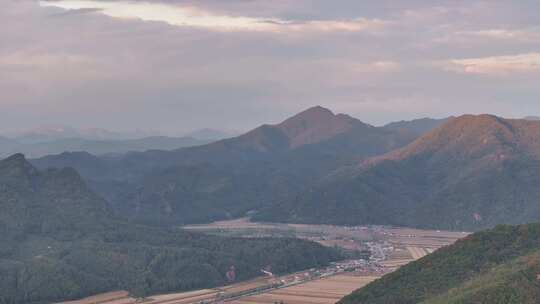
177,65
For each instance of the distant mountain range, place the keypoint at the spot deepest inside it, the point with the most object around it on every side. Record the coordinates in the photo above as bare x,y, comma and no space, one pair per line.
417,127
209,134
47,133
460,173
231,177
97,147
55,139
464,173
498,266
60,241
101,230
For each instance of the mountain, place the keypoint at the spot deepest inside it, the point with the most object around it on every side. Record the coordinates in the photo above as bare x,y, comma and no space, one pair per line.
231,177
315,125
47,133
59,241
311,126
471,173
416,127
532,118
498,266
208,134
46,202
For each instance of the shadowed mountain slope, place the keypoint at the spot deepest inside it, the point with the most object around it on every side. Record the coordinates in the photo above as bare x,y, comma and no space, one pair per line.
471,173
233,176
498,266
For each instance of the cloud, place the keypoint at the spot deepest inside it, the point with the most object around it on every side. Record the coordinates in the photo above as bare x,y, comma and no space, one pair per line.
191,16
386,66
354,25
26,60
517,34
495,65
238,63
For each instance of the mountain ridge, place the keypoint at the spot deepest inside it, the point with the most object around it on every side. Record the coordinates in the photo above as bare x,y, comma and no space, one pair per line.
235,175
470,173
316,124
471,134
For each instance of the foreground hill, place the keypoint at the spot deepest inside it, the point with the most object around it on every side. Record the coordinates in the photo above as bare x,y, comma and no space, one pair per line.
499,266
59,241
473,172
231,177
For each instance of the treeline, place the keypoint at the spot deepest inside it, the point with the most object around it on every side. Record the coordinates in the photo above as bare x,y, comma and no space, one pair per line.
143,262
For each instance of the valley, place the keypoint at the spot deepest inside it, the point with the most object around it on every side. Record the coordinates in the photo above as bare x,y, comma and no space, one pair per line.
269,152
388,249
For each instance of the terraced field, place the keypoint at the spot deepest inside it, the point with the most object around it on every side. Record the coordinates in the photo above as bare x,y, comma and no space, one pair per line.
321,291
417,252
203,295
122,297
324,291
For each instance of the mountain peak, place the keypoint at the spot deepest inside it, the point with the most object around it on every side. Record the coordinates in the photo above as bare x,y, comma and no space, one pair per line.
18,158
15,160
317,109
310,126
316,124
16,166
208,134
312,115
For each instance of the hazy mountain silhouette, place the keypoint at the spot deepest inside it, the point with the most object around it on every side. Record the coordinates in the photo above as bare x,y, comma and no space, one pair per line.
97,147
230,177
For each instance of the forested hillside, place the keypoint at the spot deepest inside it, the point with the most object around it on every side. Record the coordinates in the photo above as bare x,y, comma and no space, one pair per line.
231,177
59,241
498,266
471,173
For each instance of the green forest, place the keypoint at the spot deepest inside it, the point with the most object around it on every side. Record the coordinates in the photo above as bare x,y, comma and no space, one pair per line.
59,241
494,266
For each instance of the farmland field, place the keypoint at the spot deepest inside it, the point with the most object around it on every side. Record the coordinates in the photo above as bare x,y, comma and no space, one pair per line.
390,248
323,291
117,297
122,297
417,252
